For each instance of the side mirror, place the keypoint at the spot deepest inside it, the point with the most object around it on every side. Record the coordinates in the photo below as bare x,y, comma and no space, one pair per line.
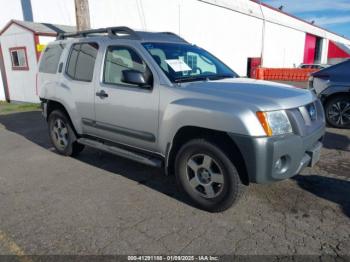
134,77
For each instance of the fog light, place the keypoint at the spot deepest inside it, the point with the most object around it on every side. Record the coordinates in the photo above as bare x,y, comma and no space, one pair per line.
278,164
281,165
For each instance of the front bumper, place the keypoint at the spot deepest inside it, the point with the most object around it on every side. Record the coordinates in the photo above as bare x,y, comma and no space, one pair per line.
261,153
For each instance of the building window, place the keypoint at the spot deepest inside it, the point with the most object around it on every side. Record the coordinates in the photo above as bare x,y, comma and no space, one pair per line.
19,58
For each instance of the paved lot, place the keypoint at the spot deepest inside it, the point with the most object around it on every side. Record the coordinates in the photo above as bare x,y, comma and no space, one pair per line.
102,204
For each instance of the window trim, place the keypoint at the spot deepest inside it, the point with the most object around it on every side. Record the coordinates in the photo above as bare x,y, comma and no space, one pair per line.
68,60
102,80
19,68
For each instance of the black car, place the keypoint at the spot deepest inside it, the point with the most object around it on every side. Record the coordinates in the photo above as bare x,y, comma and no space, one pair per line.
332,85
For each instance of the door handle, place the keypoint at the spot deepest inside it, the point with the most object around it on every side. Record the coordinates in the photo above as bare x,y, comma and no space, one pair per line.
102,94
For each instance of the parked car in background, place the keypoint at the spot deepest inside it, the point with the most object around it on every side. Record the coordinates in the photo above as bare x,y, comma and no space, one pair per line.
332,86
313,66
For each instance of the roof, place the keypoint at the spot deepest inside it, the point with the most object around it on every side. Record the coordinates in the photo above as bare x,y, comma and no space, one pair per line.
295,17
41,28
260,10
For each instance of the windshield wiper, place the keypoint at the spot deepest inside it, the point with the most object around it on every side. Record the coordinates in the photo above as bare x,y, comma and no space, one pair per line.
216,77
190,78
202,78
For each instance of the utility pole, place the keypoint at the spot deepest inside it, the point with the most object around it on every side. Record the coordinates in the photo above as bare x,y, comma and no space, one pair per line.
27,10
82,14
262,35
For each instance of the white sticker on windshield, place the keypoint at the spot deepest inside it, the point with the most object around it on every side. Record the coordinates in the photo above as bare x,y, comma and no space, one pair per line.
178,65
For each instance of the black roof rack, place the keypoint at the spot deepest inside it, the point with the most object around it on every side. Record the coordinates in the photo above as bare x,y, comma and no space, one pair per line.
121,31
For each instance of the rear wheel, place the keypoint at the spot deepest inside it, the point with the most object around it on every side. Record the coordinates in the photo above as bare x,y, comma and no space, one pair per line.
208,176
62,134
338,111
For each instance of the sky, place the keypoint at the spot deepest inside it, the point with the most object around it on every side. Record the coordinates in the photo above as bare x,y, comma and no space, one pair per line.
333,15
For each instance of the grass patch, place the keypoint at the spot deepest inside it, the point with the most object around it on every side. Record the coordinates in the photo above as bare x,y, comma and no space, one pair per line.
7,108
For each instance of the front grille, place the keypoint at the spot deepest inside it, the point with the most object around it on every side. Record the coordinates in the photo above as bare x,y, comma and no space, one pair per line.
306,119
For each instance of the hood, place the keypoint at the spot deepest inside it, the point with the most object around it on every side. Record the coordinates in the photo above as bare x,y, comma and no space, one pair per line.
340,69
263,95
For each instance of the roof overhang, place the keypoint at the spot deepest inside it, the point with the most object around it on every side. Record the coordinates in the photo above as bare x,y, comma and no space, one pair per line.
11,22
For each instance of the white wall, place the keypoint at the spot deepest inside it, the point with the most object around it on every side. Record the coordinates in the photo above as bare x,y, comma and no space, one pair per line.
2,91
12,10
289,21
231,30
284,47
153,15
22,84
232,36
324,56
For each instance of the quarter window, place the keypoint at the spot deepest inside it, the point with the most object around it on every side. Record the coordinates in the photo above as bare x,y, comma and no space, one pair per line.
82,61
19,58
51,57
120,58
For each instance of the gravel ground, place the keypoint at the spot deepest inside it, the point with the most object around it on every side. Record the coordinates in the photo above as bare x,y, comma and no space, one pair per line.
102,204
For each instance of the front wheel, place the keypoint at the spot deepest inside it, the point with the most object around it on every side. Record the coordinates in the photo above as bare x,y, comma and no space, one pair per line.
208,176
338,111
62,134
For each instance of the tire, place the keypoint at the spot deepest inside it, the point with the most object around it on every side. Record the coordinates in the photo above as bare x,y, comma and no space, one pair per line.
337,111
62,135
201,165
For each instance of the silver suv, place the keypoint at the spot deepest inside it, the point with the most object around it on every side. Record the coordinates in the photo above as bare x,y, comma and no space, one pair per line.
156,99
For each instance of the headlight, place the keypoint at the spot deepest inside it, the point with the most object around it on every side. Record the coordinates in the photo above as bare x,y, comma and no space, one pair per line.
275,122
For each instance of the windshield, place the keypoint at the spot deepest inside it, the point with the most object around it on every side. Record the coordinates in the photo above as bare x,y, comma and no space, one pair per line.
185,63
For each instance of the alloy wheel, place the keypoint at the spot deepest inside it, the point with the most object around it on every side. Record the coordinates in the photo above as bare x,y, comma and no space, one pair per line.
205,176
339,113
59,133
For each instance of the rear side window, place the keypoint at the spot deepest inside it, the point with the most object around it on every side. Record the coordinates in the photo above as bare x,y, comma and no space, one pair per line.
82,61
51,57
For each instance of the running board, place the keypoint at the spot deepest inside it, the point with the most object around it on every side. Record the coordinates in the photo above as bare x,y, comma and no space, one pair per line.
138,157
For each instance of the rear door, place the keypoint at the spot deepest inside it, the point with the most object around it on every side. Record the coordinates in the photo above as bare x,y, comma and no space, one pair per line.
77,86
127,113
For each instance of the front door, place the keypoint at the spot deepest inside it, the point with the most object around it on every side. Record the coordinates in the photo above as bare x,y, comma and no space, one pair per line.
126,113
